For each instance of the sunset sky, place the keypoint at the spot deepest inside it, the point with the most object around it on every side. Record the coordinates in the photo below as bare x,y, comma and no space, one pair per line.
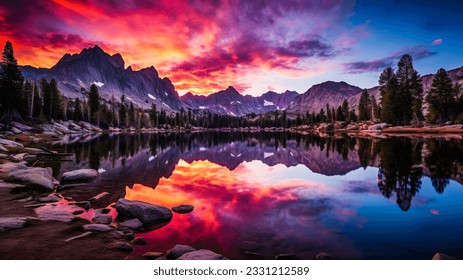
255,46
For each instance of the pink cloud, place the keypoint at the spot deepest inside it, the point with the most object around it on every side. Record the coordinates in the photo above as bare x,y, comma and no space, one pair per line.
437,42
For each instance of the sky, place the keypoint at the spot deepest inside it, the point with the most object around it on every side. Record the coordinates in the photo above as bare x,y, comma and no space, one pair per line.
204,46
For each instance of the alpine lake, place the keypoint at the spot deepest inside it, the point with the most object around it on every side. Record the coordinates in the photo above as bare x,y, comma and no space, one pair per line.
268,194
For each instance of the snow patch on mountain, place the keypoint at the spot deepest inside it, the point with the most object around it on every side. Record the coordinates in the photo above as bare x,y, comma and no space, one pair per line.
151,96
268,103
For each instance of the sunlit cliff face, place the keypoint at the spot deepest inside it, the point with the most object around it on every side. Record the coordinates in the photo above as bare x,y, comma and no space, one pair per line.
236,209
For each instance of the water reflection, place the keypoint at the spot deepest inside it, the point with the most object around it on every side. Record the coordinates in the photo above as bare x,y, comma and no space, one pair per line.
401,162
263,194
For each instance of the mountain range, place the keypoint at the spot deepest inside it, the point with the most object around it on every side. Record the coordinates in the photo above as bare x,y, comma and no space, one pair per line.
75,73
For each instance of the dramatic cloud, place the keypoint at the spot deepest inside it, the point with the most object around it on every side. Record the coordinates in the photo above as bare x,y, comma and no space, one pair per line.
203,46
417,53
437,42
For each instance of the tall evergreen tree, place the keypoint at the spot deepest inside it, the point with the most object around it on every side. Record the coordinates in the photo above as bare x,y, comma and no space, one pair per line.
410,93
440,97
94,102
345,109
37,103
56,105
11,84
47,98
78,110
389,96
364,106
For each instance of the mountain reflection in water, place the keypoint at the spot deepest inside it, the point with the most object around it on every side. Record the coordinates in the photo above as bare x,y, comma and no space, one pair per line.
264,194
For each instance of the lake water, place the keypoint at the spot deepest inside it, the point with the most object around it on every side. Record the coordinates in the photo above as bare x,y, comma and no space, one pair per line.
264,194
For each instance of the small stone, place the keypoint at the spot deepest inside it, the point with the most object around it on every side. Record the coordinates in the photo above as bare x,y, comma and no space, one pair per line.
103,219
202,254
97,227
183,209
138,241
133,224
120,246
12,223
49,198
178,250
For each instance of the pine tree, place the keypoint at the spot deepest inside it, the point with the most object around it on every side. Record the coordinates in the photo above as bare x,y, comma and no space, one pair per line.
78,110
345,109
56,105
364,106
375,108
47,98
11,84
37,103
410,91
440,97
154,115
389,100
94,102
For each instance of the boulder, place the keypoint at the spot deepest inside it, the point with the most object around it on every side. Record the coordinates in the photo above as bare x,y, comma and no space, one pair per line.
103,219
147,213
97,227
132,223
183,209
202,254
178,250
79,176
56,212
9,143
12,223
40,178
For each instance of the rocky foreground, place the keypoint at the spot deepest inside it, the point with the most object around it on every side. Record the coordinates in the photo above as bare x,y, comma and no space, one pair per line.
36,208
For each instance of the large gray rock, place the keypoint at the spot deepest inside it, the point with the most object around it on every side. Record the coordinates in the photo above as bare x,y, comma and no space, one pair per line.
12,223
179,250
9,143
79,176
40,178
147,213
202,254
